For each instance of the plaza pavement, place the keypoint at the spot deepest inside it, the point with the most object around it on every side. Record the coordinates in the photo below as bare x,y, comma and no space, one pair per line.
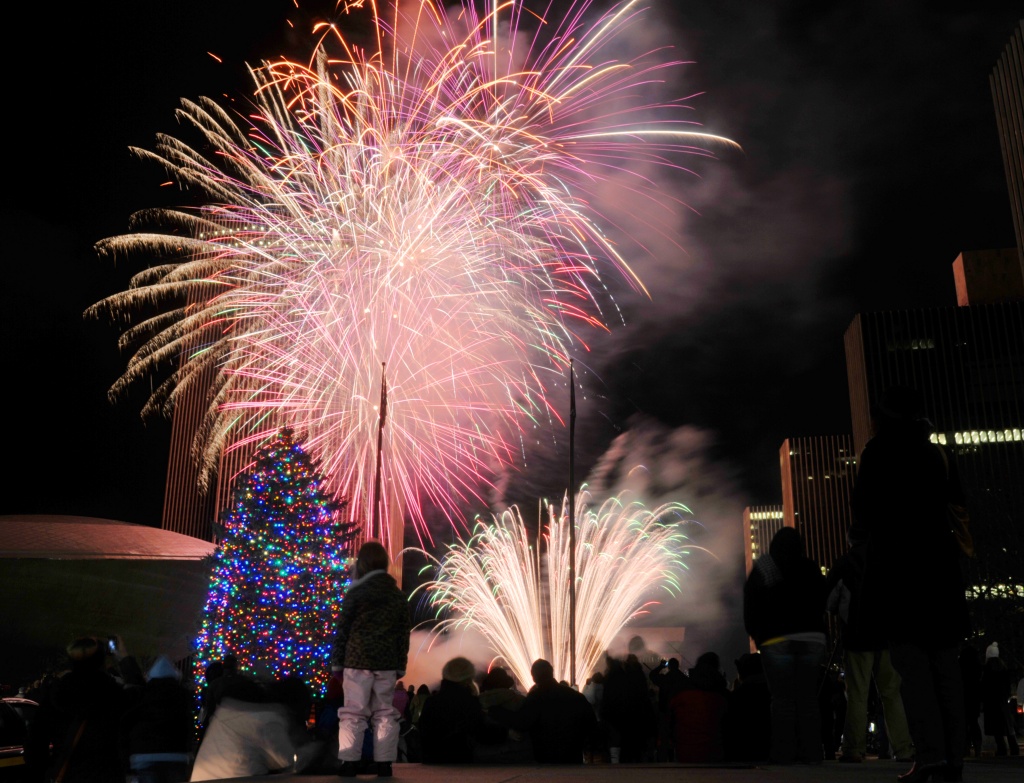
983,770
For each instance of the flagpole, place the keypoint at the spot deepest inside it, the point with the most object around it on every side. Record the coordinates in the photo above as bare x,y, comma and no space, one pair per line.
376,520
572,526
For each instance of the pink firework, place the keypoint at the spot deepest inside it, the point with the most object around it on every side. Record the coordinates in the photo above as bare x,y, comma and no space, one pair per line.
421,204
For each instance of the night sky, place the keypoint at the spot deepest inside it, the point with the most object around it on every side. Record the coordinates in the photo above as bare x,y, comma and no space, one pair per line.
870,160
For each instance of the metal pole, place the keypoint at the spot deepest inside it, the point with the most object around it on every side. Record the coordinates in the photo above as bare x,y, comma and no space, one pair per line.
377,518
572,526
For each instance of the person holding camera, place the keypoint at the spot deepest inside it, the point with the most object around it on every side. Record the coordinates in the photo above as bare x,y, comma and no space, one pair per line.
74,737
669,680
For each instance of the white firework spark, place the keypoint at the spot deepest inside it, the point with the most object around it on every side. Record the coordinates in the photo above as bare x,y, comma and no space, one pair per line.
516,595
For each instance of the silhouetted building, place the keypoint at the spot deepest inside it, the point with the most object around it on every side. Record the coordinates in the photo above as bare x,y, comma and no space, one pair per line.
817,476
63,577
987,277
1007,83
760,523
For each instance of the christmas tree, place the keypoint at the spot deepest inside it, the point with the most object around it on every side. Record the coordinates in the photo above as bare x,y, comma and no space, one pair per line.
279,571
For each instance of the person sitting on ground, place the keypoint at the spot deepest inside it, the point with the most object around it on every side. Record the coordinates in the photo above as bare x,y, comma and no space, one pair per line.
252,738
232,682
559,720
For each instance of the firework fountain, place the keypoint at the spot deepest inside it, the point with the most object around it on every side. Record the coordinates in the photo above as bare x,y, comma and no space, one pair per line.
511,587
420,203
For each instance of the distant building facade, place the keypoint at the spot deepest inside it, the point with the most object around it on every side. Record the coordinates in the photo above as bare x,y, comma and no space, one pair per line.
1007,83
760,524
817,477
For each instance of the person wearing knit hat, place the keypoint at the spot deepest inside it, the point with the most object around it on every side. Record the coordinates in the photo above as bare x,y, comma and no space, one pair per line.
996,690
460,670
453,723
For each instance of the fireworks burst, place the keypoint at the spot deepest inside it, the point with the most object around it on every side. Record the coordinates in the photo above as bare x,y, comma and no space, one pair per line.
421,204
500,583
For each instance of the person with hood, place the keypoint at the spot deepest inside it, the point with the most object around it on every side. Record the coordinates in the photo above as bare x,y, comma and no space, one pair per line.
902,497
371,650
784,613
156,734
74,736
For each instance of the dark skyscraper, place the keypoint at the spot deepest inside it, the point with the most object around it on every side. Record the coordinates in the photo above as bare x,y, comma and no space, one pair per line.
1007,82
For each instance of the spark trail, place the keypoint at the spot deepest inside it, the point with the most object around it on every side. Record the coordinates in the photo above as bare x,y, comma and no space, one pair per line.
498,582
422,203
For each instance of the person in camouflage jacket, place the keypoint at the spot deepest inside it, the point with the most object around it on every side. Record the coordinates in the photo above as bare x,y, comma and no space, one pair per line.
370,651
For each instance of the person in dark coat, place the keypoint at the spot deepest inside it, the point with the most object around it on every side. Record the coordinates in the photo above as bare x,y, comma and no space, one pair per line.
371,650
559,720
748,718
627,710
784,613
698,713
996,689
503,745
80,714
156,734
913,580
669,681
453,722
866,659
971,669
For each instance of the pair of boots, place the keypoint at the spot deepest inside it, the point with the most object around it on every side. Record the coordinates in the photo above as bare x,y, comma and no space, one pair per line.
349,769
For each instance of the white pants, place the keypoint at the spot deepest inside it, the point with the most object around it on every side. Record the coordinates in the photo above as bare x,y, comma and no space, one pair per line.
368,700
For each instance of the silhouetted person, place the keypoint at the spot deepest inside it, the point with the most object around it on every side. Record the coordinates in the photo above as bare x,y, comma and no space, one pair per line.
559,720
748,719
453,722
996,690
913,581
866,659
784,613
74,736
627,710
669,681
156,734
698,713
971,668
245,739
233,683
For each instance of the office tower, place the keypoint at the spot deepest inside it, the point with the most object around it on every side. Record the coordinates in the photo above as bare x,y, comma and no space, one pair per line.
760,523
817,477
1007,83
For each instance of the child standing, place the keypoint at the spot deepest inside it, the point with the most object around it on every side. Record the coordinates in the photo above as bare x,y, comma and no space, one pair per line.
371,650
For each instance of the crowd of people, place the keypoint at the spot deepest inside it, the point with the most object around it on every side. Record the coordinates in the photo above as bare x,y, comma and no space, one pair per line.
897,595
